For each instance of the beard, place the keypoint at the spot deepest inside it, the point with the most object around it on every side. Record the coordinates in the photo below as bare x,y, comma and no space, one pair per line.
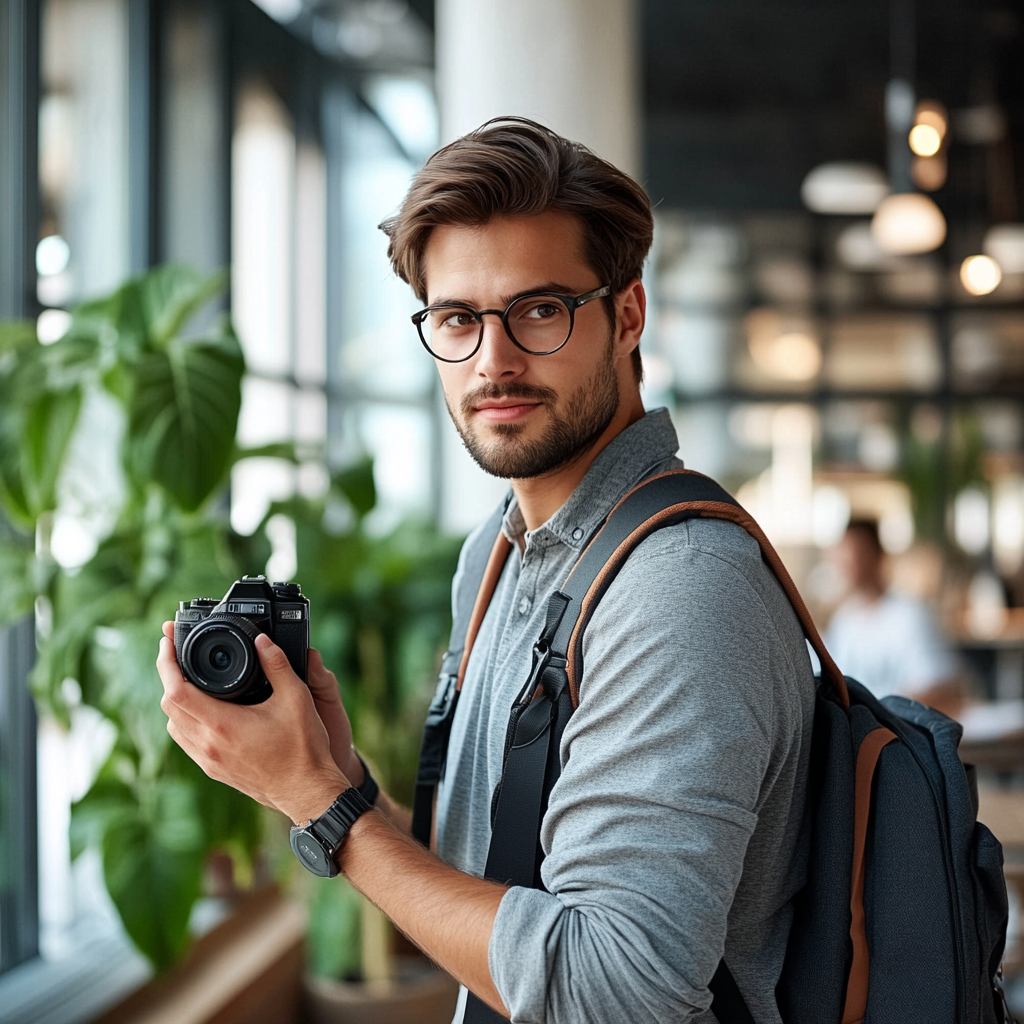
588,411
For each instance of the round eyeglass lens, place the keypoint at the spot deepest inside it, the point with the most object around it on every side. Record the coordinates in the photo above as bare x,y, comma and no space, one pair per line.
450,332
540,323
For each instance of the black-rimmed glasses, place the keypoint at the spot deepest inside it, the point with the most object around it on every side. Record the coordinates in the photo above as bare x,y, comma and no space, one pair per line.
539,323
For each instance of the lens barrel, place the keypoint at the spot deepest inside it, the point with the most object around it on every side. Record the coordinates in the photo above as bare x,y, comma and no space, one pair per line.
219,657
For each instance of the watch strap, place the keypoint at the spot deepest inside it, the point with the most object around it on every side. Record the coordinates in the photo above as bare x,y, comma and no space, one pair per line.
369,789
333,825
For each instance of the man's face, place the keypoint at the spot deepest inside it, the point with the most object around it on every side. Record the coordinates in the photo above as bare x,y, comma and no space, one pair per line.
522,415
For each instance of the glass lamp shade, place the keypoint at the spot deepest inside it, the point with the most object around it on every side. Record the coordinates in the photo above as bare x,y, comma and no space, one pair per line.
844,188
908,223
1005,244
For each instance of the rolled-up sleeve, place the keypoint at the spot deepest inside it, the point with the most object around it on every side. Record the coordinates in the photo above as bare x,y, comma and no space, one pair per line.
648,827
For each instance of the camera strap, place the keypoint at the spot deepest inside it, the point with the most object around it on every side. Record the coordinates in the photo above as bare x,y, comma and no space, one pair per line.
477,583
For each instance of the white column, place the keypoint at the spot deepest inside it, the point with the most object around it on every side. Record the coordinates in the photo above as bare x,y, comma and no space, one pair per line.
569,64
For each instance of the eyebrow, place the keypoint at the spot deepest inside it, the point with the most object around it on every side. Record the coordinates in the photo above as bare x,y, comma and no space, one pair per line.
552,287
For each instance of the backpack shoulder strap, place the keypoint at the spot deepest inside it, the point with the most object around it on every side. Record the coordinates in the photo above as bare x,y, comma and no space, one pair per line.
470,598
655,503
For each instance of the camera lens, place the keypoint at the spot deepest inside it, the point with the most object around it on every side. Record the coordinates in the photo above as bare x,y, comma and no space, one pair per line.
219,657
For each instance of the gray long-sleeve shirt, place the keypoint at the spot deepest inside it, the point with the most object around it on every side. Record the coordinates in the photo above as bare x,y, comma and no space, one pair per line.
676,832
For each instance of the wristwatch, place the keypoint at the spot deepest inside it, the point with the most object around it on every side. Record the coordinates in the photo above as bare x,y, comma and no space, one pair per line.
317,844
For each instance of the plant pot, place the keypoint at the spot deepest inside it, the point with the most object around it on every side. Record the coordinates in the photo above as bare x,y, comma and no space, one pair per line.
421,995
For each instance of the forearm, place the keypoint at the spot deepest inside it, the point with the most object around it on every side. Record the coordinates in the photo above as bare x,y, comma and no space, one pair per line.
399,816
448,914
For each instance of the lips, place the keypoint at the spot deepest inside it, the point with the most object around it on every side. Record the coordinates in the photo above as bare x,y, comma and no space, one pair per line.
505,412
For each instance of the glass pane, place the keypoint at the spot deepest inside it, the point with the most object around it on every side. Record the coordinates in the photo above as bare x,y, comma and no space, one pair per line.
193,223
83,120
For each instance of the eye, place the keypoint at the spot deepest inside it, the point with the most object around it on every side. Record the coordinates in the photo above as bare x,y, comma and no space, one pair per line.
542,311
457,320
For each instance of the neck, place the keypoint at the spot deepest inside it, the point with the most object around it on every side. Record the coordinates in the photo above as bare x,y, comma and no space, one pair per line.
540,497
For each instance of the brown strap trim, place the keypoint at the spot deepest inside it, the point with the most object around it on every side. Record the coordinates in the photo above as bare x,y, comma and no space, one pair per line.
495,564
857,986
710,510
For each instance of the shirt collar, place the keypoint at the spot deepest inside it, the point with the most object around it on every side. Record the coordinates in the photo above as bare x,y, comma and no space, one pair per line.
627,459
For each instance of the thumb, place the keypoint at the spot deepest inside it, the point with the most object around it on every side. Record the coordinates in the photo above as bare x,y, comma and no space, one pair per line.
274,661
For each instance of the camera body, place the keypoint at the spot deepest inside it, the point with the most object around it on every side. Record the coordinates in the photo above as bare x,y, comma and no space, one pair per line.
213,640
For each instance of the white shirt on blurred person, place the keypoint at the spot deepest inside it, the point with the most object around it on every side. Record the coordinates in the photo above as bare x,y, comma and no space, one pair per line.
890,643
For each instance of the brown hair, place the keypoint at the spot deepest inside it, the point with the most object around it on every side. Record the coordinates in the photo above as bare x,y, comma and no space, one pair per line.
515,167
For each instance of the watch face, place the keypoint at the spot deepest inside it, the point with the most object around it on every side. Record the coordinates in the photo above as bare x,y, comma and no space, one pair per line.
311,853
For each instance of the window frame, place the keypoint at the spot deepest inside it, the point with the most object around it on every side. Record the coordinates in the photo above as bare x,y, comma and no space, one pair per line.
19,77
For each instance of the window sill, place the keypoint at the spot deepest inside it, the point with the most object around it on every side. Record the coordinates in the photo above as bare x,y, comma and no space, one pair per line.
75,988
246,969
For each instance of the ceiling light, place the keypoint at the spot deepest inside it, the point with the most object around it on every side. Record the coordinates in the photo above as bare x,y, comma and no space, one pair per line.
908,223
1005,244
980,274
844,188
933,114
925,140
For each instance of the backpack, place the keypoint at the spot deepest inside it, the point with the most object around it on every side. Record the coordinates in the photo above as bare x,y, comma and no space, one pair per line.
904,911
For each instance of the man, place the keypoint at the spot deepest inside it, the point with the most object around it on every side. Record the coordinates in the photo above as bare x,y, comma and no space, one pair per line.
675,833
889,642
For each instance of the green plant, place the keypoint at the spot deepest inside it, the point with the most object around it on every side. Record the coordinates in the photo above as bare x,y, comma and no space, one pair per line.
154,815
380,603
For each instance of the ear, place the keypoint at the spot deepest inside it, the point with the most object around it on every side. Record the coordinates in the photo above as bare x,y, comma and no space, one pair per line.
630,317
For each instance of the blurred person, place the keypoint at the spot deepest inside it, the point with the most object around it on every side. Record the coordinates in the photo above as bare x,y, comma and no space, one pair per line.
674,836
889,642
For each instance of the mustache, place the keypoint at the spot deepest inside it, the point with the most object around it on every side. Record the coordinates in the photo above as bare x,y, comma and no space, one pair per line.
493,392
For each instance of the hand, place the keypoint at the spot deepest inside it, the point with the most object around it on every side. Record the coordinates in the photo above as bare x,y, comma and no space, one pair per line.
327,700
277,752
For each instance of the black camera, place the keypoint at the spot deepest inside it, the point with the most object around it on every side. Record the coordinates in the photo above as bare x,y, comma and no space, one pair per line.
213,640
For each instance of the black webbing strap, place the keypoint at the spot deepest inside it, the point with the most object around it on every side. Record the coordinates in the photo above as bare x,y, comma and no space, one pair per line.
538,716
438,727
726,999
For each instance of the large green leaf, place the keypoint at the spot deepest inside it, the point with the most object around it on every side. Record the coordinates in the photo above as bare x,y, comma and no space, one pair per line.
125,659
182,417
49,424
18,347
146,312
356,484
108,805
153,868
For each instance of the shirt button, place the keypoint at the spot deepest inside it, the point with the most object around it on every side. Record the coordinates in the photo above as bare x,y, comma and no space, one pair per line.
577,533
524,606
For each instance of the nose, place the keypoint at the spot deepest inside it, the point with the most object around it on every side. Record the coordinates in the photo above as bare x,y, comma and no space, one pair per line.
498,358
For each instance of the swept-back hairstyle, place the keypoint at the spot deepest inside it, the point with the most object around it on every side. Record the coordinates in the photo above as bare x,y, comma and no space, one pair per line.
511,166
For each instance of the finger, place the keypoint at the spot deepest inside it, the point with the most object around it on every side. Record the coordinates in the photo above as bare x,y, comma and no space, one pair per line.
275,662
168,630
322,681
180,696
